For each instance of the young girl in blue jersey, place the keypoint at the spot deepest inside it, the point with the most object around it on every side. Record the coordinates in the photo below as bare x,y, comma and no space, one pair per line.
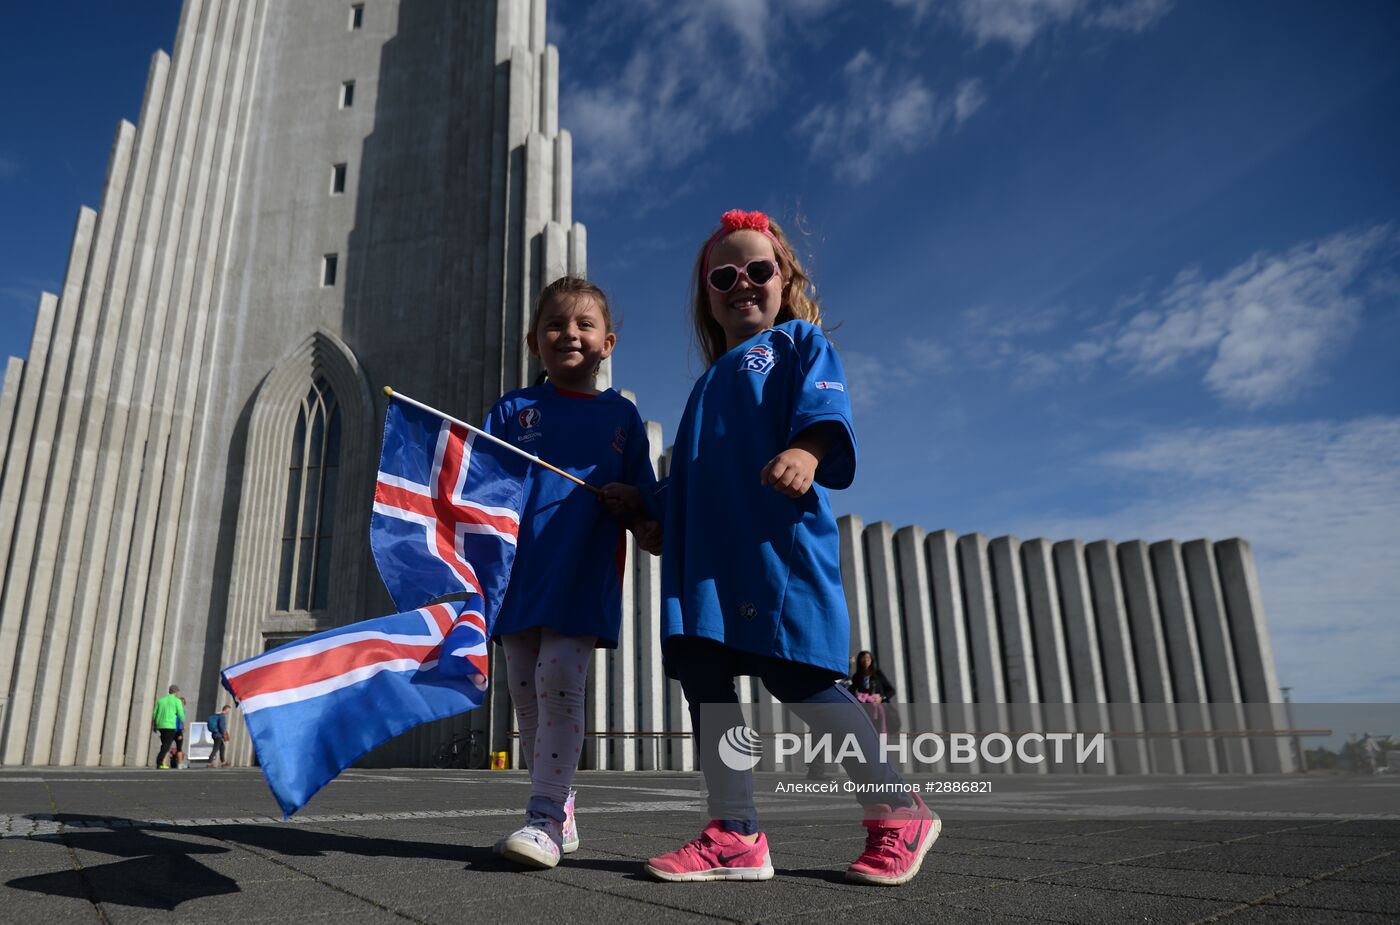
565,593
751,579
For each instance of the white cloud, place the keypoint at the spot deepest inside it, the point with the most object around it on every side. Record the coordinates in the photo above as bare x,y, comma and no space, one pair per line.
881,115
691,72
1266,327
1319,502
1017,22
903,368
1260,333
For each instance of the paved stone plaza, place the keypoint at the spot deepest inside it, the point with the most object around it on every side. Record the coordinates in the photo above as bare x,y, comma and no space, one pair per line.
129,845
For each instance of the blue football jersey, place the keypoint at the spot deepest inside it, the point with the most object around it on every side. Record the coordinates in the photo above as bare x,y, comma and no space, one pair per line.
571,553
743,564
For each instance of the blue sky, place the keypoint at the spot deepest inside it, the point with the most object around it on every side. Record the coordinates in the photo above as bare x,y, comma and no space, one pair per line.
1102,268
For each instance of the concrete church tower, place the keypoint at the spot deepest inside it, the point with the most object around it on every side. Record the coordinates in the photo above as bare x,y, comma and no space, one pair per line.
320,198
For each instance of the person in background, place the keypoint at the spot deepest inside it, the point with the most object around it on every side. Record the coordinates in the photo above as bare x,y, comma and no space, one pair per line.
166,720
218,731
872,688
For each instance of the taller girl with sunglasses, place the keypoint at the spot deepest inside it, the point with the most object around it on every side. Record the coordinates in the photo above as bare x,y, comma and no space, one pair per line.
751,579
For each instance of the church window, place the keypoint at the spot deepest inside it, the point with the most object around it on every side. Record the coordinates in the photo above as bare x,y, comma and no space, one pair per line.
357,16
347,94
304,575
329,265
337,179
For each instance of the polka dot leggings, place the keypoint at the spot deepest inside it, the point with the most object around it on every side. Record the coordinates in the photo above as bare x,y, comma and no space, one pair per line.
547,673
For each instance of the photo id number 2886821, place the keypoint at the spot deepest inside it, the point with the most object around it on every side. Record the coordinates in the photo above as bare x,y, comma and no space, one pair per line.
958,786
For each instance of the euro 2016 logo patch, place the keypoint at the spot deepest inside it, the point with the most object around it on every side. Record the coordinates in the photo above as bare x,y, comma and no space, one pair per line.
759,359
529,417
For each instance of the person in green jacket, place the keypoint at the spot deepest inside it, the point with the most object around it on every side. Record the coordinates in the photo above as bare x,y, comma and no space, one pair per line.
167,718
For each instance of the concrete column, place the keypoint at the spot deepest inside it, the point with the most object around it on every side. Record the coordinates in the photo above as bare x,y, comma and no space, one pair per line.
9,396
549,91
651,681
984,636
1254,655
1116,648
556,253
16,465
984,639
124,441
950,622
853,580
1048,631
126,729
33,626
955,663
46,653
595,713
623,671
1042,597
891,650
1017,644
89,520
1188,680
1150,652
1082,645
1217,653
916,595
564,181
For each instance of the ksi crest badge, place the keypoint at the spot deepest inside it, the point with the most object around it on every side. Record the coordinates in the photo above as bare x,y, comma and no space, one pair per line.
759,359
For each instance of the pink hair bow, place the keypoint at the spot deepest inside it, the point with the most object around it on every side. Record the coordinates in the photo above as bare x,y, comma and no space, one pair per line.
738,220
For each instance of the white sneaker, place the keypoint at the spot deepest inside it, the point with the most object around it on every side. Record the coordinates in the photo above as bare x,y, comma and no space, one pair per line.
570,826
534,845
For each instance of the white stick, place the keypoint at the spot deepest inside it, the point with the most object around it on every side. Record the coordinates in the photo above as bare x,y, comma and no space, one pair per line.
388,390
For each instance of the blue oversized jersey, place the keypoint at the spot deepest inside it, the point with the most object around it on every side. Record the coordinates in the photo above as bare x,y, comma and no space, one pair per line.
744,564
570,555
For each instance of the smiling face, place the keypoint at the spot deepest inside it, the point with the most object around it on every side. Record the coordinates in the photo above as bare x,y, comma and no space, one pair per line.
746,309
572,339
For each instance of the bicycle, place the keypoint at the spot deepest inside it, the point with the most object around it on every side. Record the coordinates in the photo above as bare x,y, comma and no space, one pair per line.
465,750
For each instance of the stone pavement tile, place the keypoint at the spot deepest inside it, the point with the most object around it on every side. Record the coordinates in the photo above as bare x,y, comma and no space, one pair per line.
1258,859
1085,904
562,904
994,867
290,899
1345,896
1283,915
1209,832
904,912
1316,839
17,854
61,897
1079,852
1361,827
1385,870
1200,884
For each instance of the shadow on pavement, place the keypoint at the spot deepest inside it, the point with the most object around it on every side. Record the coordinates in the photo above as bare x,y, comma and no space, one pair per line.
160,872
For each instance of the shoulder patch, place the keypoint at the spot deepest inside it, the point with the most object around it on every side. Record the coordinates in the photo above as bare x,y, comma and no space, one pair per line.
837,386
758,359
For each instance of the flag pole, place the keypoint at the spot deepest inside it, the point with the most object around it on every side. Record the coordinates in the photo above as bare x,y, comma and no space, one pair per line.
388,390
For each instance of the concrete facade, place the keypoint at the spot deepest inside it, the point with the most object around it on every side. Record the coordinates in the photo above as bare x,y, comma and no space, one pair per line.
316,203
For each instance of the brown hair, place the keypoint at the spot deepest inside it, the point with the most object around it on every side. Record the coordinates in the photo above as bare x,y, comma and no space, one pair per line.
571,287
799,298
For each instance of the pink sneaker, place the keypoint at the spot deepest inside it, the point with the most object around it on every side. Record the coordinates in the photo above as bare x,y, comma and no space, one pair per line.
570,844
895,845
715,855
